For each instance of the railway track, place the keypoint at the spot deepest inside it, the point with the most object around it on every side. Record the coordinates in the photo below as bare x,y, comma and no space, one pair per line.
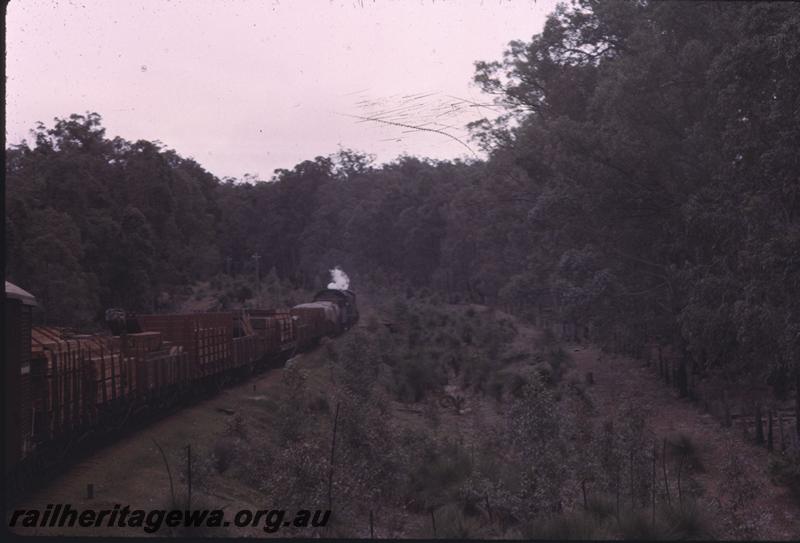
66,393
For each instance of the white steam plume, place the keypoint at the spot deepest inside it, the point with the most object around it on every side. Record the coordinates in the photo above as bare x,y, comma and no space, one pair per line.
339,279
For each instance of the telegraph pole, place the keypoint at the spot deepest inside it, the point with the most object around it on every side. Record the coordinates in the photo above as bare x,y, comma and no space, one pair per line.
257,258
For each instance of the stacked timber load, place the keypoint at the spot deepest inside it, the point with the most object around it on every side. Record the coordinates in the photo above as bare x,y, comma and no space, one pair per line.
157,371
74,377
247,349
65,386
156,364
140,341
275,327
206,337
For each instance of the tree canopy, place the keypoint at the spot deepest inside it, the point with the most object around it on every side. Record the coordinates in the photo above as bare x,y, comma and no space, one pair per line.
642,182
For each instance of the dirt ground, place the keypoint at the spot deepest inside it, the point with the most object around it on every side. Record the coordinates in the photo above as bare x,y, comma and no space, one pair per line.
773,514
133,472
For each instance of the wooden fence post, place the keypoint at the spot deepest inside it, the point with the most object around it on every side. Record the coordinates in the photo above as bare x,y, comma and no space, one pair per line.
371,526
680,465
169,473
654,484
619,476
583,490
333,450
759,425
770,442
632,493
664,469
189,475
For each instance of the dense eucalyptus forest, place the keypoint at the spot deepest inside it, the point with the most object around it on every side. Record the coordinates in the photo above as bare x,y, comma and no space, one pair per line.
641,186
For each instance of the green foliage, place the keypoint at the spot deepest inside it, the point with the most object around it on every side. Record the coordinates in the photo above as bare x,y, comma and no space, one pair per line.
452,523
224,455
683,448
785,470
502,384
641,181
416,379
439,469
563,527
600,507
558,360
688,520
637,525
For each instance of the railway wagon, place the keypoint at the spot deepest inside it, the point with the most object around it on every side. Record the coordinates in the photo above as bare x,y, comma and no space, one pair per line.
60,387
207,338
345,300
19,306
81,381
314,321
65,388
275,328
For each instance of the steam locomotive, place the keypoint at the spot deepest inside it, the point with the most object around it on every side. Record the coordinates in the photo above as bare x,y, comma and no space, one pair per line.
61,387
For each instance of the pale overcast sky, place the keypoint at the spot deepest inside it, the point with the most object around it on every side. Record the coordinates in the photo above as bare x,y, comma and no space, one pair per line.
251,86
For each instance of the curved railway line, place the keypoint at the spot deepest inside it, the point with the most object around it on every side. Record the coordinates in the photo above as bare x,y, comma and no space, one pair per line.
68,393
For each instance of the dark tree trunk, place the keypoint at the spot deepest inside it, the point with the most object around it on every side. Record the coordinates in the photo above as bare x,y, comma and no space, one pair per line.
664,469
780,383
797,401
727,415
682,379
759,426
770,443
660,362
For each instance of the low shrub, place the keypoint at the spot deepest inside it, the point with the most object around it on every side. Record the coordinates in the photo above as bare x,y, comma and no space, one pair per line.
784,469
319,405
243,293
559,360
687,521
439,469
638,526
451,523
601,507
563,527
547,339
497,385
682,446
224,455
416,379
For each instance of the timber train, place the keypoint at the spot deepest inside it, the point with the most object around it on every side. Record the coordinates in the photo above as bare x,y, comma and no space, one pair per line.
60,388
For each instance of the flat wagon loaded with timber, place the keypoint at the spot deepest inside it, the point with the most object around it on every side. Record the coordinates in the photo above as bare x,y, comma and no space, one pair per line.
62,387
